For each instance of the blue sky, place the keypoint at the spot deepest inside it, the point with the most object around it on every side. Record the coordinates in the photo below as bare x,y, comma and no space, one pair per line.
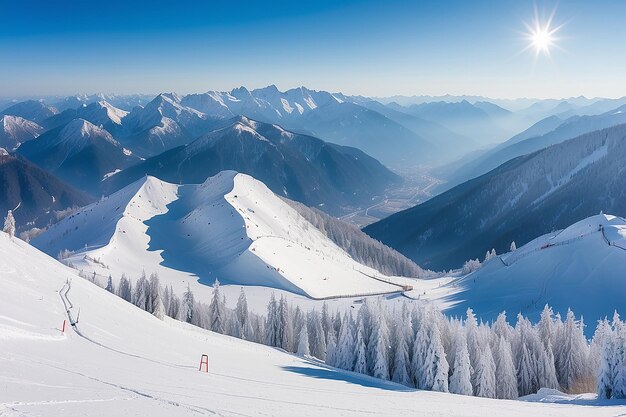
358,47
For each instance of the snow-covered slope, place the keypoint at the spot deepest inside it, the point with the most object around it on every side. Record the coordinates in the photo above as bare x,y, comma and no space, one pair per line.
581,267
231,227
15,130
120,360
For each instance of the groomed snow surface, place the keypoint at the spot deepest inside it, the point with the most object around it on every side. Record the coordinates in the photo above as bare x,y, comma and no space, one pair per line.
128,362
231,227
580,267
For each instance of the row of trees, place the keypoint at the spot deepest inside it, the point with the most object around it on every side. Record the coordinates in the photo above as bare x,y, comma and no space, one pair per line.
359,245
414,343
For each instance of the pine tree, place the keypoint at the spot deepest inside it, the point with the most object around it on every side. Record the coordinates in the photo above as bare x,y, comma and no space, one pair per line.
513,246
110,288
272,324
317,340
571,365
401,362
303,340
217,310
187,308
346,344
124,290
360,357
460,382
157,302
9,224
506,380
285,326
378,346
603,338
485,374
437,360
619,358
242,315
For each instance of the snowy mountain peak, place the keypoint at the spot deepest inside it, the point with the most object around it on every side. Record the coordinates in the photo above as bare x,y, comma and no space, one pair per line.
231,226
15,130
79,129
3,152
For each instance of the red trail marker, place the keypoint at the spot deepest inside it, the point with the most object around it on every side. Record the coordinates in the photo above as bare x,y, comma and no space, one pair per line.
204,362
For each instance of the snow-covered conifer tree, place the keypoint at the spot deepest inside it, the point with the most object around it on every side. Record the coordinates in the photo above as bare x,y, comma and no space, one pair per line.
360,356
485,373
272,323
187,308
303,339
110,287
571,363
242,314
346,344
9,224
217,310
506,379
460,382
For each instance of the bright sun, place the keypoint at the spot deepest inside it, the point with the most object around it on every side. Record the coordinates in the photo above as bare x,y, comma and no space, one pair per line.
542,39
541,34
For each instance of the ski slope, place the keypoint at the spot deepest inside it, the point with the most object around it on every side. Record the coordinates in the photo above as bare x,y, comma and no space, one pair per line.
120,360
231,227
580,267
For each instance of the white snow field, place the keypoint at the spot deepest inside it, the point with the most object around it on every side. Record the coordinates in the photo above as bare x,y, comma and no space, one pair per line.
582,267
231,227
120,360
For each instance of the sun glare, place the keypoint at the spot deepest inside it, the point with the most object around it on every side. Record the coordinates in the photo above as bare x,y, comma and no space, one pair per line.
541,34
542,39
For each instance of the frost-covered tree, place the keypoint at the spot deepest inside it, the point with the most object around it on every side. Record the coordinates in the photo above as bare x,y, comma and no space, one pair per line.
9,224
217,310
142,293
124,290
460,381
619,358
471,266
437,360
378,347
187,307
360,357
603,343
272,324
110,287
571,361
513,247
346,344
506,379
317,340
242,315
401,339
485,373
157,303
473,342
303,340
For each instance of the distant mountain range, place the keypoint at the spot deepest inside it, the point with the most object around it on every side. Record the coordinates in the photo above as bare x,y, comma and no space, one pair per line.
547,132
38,196
296,166
15,130
521,199
80,153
